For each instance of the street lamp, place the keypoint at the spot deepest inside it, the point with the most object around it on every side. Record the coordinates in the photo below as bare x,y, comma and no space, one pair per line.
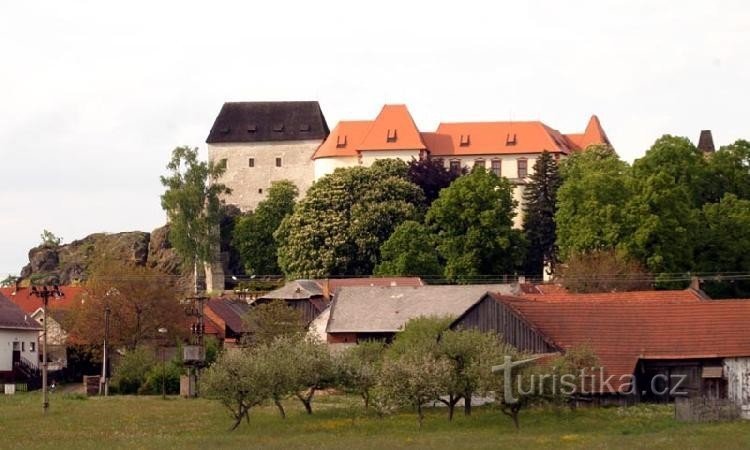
163,332
44,293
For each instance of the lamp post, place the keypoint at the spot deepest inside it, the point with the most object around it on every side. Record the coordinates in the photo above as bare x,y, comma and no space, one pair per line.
44,293
163,332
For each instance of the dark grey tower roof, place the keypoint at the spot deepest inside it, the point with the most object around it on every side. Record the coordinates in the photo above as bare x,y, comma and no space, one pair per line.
706,142
268,121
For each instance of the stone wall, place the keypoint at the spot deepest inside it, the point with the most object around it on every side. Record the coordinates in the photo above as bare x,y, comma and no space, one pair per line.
250,184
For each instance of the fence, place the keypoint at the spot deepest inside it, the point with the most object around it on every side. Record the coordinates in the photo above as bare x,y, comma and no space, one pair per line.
702,409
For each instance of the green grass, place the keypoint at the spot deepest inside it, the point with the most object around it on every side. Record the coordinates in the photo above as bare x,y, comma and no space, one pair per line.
339,422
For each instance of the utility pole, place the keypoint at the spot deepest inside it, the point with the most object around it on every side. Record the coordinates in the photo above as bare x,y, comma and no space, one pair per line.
104,385
44,294
194,308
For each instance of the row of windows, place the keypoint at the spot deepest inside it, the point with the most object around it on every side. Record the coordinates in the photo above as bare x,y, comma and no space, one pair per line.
495,167
21,346
251,162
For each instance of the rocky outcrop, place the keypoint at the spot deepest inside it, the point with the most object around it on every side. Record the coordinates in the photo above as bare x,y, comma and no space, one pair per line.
64,264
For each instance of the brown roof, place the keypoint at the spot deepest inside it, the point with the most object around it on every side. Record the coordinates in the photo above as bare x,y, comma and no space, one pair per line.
623,332
13,317
541,293
706,142
231,312
268,121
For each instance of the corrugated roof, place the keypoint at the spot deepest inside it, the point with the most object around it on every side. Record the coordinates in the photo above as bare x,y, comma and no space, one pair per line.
387,309
28,303
622,332
13,317
268,121
231,312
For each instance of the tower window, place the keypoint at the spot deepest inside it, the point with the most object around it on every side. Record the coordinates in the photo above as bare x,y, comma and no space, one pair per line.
278,162
251,162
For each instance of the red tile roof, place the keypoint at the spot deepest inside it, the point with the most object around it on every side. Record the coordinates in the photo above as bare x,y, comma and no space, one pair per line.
394,129
546,294
22,297
622,332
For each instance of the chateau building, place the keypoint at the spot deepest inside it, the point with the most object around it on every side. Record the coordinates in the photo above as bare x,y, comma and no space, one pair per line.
263,142
508,149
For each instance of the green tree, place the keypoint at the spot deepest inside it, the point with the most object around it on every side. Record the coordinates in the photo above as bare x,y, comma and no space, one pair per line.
236,381
540,207
591,201
49,239
132,370
338,228
253,233
729,171
267,322
409,251
193,205
604,271
472,220
358,368
314,370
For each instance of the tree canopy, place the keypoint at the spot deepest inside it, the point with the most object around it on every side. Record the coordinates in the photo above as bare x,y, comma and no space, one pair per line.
338,228
253,232
432,176
409,251
540,207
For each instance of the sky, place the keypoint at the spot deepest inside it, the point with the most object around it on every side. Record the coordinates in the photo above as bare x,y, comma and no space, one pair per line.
94,95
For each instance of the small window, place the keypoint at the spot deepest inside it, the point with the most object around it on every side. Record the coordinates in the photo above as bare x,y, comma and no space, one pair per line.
465,140
304,127
510,139
23,346
455,166
497,167
252,128
223,162
278,127
16,346
392,135
278,162
224,130
479,163
522,168
340,141
32,346
251,162
260,191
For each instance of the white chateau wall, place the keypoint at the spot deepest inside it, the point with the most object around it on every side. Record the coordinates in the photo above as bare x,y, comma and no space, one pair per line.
250,184
325,166
369,157
7,337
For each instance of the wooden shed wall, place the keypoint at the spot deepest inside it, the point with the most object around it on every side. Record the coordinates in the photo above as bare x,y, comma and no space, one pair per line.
490,315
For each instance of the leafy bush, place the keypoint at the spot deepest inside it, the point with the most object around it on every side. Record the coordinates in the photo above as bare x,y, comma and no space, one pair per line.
132,370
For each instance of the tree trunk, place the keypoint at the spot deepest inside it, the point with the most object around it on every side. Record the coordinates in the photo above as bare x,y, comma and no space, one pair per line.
280,407
420,414
366,398
307,400
467,404
512,412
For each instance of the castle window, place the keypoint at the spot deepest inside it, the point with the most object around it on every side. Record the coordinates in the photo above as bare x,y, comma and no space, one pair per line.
455,165
278,127
224,130
260,191
510,139
497,167
340,141
223,162
252,128
522,168
251,162
32,346
465,140
278,162
392,136
304,127
479,163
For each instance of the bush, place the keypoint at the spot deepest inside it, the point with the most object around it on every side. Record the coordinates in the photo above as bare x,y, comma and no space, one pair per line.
132,370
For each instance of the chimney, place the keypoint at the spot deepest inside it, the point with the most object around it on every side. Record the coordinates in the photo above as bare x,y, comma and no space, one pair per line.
706,142
695,283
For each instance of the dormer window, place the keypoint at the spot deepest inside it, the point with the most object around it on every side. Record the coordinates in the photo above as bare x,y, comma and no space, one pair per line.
340,141
252,128
224,130
465,140
278,127
391,135
510,139
304,127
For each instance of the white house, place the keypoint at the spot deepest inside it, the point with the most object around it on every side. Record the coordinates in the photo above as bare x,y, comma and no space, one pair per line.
19,346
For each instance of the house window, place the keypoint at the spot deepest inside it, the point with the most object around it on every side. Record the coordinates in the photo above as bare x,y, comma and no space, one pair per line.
251,162
497,167
32,347
522,168
223,162
479,163
455,166
278,162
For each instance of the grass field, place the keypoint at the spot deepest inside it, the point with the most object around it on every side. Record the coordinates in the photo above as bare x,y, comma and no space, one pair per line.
338,422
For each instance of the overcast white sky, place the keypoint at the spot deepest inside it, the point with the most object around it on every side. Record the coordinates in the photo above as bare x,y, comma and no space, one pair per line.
94,95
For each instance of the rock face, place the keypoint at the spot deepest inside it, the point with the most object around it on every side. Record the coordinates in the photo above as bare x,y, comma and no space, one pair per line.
66,263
